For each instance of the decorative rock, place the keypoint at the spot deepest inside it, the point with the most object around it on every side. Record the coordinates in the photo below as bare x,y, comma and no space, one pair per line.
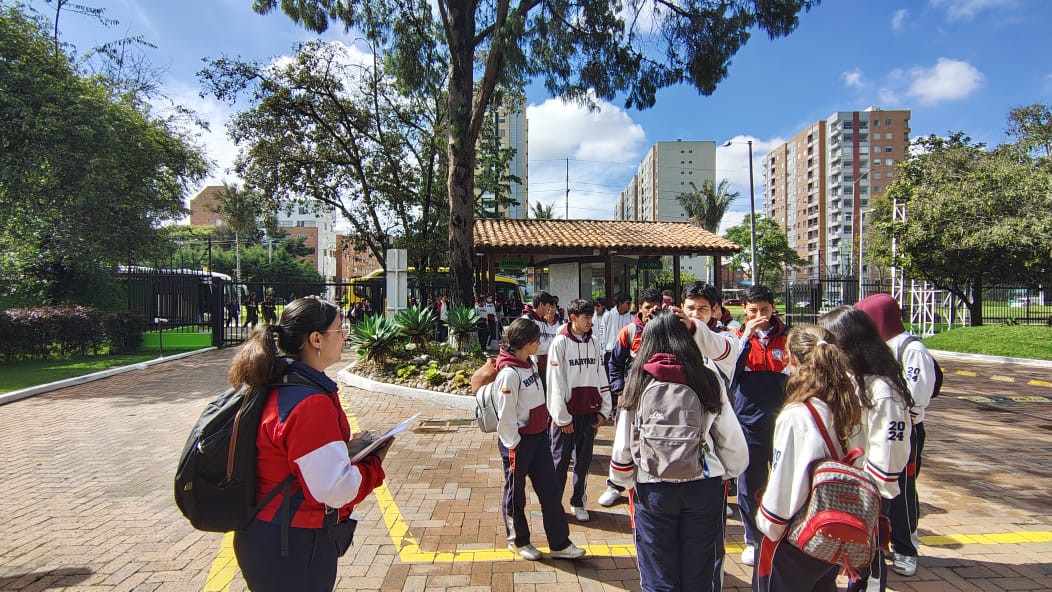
454,360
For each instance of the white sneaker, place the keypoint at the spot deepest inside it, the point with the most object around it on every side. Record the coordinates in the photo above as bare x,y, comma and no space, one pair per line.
528,552
609,497
904,565
570,552
749,555
580,513
728,511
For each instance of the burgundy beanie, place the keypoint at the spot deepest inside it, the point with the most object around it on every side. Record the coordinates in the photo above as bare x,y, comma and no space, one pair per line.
885,312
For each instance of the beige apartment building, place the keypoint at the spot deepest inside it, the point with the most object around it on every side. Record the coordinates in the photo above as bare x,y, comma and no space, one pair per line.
818,185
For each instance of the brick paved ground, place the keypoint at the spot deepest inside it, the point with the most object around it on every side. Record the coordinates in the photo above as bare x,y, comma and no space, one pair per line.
85,495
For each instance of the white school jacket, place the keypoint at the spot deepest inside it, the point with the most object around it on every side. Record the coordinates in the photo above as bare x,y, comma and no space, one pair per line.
612,325
518,390
573,363
727,456
884,434
797,444
722,348
918,368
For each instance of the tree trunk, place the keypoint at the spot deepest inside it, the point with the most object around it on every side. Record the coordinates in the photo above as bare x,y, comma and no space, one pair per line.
975,307
461,153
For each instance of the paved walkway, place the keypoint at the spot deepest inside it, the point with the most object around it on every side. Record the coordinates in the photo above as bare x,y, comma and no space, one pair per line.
85,495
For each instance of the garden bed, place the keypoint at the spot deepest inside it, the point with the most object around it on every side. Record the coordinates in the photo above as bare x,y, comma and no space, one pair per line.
432,366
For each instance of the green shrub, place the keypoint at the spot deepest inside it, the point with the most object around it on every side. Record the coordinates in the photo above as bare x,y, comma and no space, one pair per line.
417,323
375,338
124,330
405,372
433,376
463,327
460,379
50,330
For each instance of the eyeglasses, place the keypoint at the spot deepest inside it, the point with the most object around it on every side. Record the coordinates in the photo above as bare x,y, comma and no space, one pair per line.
345,328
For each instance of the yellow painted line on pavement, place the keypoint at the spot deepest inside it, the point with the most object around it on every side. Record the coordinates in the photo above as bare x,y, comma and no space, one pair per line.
1039,383
966,373
223,567
1000,378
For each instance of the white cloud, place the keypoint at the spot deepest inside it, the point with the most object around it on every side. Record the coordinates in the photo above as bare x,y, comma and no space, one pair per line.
947,80
853,78
732,163
898,20
603,148
957,10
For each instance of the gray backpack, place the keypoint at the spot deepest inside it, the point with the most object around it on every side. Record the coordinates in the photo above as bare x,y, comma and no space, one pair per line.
669,432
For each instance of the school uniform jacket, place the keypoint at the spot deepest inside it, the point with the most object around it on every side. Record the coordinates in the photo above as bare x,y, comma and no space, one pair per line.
305,432
918,368
548,332
625,347
575,362
521,407
614,322
885,436
797,444
727,456
758,382
719,346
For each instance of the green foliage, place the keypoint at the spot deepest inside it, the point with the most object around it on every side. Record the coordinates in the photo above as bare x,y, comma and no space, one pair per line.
582,51
974,217
461,380
124,330
774,256
417,323
375,338
463,320
706,206
543,211
1031,126
86,176
405,371
1020,341
50,331
433,376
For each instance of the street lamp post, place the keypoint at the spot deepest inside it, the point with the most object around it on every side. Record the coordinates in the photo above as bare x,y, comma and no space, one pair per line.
857,195
752,215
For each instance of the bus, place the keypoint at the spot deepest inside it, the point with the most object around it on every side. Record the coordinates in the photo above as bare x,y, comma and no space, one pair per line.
373,285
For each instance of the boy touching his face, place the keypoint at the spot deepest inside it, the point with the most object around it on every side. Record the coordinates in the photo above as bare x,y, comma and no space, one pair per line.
578,399
759,393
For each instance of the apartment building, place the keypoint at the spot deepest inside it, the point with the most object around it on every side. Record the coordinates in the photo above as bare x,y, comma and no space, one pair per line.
667,171
510,126
819,183
316,225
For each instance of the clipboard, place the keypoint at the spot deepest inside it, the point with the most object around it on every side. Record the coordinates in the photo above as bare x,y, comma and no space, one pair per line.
377,442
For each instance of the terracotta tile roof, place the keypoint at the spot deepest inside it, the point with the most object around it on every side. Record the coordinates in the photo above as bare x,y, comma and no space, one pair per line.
623,236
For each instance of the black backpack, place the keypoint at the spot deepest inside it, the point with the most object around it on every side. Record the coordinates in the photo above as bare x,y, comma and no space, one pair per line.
938,368
215,481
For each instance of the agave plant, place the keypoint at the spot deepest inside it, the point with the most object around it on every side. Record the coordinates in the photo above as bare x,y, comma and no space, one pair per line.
463,324
375,337
417,323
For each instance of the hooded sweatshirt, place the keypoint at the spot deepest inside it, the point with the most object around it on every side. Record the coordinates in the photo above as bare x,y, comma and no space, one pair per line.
727,453
625,347
577,383
918,366
521,407
548,332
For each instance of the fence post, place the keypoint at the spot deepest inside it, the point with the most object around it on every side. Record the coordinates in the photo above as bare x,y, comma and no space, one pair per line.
218,311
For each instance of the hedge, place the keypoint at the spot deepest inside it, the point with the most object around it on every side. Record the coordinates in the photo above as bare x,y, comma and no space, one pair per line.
47,331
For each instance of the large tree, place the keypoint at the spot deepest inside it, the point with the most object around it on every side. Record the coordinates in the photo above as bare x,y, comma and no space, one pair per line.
974,217
706,206
592,49
1031,126
86,174
774,256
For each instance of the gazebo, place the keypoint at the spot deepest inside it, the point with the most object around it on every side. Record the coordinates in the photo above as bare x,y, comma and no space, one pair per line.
573,250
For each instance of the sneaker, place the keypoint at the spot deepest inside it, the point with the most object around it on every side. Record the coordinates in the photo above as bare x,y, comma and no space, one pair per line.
572,551
904,565
749,555
527,552
609,497
728,511
580,513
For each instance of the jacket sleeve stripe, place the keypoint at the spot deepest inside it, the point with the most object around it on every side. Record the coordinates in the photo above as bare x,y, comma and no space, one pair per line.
726,351
880,474
772,517
622,467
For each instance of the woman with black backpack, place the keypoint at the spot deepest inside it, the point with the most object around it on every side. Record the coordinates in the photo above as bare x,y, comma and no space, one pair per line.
297,537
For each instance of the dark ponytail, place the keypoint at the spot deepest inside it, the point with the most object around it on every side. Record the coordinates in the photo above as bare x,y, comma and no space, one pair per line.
260,360
822,370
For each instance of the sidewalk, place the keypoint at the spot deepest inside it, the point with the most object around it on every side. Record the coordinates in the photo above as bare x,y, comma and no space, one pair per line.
85,488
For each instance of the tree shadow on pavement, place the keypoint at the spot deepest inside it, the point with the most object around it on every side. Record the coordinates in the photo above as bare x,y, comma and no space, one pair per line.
46,580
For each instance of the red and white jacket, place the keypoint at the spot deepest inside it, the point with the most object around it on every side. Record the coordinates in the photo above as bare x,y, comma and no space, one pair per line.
521,408
577,382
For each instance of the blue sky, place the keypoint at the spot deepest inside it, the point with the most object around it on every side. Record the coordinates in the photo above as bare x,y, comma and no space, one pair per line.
957,64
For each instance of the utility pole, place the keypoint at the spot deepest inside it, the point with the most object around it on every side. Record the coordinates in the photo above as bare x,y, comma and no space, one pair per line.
567,188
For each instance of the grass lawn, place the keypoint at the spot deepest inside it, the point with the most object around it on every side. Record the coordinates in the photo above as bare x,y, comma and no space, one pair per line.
20,374
1021,341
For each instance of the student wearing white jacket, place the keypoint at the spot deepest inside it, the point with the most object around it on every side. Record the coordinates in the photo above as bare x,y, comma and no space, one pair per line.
678,515
578,400
885,427
819,375
618,317
918,368
700,302
523,443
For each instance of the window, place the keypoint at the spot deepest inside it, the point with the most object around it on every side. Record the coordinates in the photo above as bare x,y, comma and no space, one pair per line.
875,149
877,175
887,122
876,123
888,148
877,188
888,136
889,162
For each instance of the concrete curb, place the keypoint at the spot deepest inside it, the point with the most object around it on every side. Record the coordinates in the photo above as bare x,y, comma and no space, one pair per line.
460,402
940,354
11,397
